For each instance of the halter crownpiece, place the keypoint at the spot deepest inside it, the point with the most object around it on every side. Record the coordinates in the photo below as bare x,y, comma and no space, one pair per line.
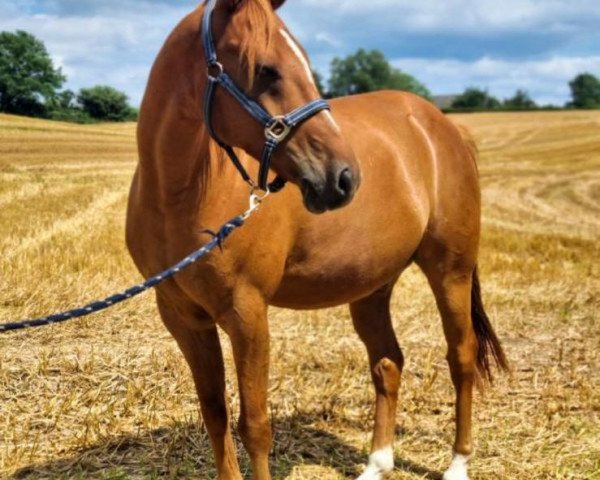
277,128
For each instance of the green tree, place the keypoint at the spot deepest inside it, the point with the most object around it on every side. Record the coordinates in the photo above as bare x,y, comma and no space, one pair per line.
476,99
319,83
367,72
585,90
28,78
105,103
64,107
64,100
520,101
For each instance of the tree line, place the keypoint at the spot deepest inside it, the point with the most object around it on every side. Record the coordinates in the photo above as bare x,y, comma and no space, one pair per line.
31,85
367,71
585,94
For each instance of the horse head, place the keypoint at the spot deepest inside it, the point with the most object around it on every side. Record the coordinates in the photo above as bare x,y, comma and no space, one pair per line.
261,56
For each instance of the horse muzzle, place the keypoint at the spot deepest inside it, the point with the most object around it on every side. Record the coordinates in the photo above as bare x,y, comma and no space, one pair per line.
331,193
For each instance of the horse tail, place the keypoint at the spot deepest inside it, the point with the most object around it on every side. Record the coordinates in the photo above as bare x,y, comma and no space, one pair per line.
489,346
488,343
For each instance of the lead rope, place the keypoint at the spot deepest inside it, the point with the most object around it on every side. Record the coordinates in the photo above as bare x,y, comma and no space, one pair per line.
218,238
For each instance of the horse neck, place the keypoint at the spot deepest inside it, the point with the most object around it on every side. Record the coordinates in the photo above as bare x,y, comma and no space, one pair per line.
174,145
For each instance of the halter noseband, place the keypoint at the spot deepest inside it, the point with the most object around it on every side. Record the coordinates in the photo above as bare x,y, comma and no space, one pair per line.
277,128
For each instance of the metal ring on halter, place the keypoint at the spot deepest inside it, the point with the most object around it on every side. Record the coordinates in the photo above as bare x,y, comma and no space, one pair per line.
255,201
210,70
278,129
256,198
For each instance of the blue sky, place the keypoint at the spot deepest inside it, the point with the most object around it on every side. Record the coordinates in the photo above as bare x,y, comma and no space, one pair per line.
502,45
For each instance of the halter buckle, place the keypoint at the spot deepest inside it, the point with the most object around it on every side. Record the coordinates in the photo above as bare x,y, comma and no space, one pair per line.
214,70
278,129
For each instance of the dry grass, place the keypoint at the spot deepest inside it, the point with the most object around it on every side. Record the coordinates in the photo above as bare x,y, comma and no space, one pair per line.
110,396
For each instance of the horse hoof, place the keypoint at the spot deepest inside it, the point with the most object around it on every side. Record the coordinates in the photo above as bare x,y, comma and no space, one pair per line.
380,463
369,474
455,475
457,469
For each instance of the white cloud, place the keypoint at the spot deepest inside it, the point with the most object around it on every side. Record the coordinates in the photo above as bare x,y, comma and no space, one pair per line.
102,48
546,80
116,41
328,39
478,17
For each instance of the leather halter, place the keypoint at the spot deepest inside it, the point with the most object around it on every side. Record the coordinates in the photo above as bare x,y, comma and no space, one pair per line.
277,128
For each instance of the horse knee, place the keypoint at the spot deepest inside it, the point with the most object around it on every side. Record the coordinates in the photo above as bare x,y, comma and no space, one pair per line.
255,434
386,375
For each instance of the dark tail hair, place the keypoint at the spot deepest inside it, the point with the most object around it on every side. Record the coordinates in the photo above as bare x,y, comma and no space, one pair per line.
489,345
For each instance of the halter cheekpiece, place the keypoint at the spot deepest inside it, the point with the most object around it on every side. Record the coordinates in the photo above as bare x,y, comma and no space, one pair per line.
277,128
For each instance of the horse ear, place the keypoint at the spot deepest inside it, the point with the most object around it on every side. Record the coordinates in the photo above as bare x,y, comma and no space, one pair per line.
277,3
233,5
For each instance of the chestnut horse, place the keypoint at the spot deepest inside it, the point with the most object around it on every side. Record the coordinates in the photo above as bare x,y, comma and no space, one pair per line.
418,201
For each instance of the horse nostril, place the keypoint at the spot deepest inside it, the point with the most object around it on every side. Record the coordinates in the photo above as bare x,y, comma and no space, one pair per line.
345,183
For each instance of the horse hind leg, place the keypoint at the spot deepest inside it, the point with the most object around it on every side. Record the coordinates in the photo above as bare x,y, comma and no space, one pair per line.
373,323
202,351
470,339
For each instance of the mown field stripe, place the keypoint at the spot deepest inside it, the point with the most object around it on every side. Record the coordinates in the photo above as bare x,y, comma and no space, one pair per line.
67,225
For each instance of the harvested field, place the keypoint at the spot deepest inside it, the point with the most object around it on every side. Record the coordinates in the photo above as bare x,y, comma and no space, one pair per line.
111,397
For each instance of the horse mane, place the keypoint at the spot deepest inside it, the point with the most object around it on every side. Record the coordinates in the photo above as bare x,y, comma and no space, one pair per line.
257,18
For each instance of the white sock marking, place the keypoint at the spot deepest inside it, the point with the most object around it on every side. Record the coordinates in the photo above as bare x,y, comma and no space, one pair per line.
380,463
458,468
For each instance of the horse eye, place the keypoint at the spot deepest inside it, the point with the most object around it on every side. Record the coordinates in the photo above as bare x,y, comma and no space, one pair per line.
268,73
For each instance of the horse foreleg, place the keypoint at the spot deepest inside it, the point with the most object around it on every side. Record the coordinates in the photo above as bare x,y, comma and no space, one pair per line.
202,351
372,321
247,327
